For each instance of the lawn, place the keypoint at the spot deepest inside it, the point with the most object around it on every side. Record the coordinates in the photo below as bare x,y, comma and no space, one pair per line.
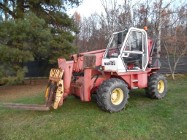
143,118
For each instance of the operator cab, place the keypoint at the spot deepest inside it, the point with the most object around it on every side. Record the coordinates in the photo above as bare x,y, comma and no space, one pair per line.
127,51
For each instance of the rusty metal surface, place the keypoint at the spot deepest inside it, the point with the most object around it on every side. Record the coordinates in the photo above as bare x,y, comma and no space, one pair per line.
26,106
89,61
55,74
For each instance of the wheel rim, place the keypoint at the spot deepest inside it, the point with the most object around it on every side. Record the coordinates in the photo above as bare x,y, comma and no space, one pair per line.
117,96
160,86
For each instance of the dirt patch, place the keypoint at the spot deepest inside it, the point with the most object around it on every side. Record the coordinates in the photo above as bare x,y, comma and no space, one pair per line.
31,88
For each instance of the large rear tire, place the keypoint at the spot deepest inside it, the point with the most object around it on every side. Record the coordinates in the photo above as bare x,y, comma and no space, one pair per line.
112,95
157,86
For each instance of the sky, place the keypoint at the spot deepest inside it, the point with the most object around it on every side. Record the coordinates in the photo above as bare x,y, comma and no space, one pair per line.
88,7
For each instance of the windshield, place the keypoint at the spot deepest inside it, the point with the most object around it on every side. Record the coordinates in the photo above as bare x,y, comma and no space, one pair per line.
114,47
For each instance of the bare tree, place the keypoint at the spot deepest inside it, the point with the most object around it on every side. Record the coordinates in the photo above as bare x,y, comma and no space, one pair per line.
175,42
164,23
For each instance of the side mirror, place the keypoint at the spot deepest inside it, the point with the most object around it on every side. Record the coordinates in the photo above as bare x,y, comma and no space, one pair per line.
120,38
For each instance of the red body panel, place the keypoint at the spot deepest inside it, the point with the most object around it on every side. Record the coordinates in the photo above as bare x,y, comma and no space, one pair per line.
67,66
79,59
150,45
82,77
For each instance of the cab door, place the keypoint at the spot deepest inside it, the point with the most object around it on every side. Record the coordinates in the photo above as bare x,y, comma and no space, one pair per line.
135,51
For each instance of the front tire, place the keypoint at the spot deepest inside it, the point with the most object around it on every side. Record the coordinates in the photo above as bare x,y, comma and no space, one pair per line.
157,86
112,95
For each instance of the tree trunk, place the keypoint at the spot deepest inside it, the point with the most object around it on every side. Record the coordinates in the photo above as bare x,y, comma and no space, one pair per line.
20,9
173,75
159,29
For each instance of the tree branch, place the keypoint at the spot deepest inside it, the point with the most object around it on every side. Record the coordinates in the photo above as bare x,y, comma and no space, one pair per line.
7,10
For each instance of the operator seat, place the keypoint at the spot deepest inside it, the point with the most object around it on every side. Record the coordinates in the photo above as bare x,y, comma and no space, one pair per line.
133,58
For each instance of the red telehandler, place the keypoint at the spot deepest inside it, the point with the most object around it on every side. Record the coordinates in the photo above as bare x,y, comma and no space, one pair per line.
110,73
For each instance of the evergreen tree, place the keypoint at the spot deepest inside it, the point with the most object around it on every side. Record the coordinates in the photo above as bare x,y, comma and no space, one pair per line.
22,40
34,29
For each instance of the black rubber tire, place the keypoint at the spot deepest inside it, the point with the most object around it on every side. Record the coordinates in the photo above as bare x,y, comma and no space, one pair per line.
104,93
152,90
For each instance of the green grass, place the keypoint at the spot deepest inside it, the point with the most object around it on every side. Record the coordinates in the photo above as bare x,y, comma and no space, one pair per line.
143,118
